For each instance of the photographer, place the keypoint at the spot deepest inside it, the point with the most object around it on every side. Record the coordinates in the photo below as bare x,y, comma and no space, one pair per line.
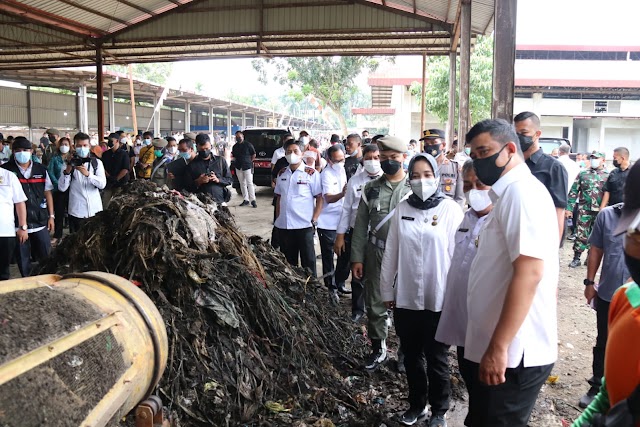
85,177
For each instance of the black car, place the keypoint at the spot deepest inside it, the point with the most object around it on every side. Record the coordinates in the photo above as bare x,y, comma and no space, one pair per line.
265,141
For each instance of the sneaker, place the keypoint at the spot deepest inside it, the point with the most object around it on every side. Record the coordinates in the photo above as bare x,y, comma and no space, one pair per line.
343,290
254,204
437,421
334,299
572,237
355,317
575,263
375,359
412,416
244,203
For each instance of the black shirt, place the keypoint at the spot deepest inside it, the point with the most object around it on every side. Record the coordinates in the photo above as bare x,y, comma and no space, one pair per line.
242,153
114,162
280,164
615,185
199,166
552,174
351,165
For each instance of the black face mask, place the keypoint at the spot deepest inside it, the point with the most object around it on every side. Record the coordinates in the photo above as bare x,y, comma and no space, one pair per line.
52,138
110,144
616,164
525,142
238,139
390,167
433,150
633,265
487,170
204,154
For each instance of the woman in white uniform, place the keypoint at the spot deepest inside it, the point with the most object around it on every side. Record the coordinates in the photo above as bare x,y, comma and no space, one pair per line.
413,278
453,322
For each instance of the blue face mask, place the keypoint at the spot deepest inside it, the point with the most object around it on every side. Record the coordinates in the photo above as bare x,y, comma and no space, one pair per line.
23,157
83,151
146,142
185,156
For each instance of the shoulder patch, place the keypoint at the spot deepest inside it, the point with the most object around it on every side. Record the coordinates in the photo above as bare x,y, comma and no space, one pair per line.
310,171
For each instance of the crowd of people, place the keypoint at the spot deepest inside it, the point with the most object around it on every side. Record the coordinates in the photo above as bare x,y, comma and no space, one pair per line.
450,247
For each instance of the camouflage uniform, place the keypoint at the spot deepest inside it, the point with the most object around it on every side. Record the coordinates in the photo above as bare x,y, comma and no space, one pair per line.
587,190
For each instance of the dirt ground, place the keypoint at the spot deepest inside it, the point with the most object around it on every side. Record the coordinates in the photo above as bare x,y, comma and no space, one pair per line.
576,336
576,330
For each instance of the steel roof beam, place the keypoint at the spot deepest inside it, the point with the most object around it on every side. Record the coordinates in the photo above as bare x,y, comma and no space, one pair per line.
137,7
92,11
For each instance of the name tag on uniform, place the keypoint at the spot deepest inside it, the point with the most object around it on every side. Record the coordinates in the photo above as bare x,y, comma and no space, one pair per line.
463,230
408,218
283,179
301,182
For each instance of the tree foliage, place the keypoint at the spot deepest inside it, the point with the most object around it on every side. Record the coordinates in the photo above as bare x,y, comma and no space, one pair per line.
157,73
480,83
330,79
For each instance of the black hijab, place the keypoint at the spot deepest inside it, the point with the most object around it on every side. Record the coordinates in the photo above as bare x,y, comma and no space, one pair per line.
436,197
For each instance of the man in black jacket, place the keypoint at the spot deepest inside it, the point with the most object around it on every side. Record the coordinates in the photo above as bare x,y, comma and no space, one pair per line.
40,217
208,173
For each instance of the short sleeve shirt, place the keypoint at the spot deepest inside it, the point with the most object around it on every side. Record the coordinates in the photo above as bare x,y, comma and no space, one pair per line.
242,153
552,174
297,190
614,271
11,192
332,183
615,185
114,162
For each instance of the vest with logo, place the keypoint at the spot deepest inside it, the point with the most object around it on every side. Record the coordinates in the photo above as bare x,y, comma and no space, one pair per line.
37,213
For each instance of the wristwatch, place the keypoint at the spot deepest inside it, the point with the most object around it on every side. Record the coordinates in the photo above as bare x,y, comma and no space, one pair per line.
314,223
588,282
24,227
52,216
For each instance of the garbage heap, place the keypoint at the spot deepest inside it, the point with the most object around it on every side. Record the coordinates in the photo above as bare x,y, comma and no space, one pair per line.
251,338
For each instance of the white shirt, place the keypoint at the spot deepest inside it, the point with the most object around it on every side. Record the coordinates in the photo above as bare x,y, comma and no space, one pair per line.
452,327
84,193
573,169
352,199
332,183
48,186
10,193
277,155
419,253
523,222
297,190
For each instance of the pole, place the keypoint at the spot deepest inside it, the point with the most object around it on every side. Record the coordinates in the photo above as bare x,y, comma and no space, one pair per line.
112,108
100,92
423,105
451,122
465,63
29,114
133,101
504,58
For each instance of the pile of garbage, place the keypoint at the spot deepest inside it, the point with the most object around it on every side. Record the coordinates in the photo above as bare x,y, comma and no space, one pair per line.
252,340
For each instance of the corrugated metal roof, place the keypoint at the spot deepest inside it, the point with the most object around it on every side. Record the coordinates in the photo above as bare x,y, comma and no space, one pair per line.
66,32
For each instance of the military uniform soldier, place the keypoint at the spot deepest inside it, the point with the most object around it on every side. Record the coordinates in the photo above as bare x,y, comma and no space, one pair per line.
587,191
450,171
377,206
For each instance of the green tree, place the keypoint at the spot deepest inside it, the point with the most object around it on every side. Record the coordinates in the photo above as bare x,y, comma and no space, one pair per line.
157,73
480,83
330,79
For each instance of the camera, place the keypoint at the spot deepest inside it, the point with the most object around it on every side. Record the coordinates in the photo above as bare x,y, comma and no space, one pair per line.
76,160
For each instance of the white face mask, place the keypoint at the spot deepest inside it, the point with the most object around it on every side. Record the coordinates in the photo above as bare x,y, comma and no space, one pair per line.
424,188
479,200
372,167
172,150
304,140
64,149
93,142
293,158
337,166
595,163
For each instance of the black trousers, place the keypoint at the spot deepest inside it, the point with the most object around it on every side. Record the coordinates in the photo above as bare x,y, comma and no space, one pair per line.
75,223
510,403
602,316
38,245
327,239
60,203
466,370
297,245
343,269
7,248
417,330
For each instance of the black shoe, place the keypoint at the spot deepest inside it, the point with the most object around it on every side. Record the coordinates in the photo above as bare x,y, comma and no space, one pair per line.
375,359
343,290
412,416
355,317
254,204
244,203
587,399
437,421
575,263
